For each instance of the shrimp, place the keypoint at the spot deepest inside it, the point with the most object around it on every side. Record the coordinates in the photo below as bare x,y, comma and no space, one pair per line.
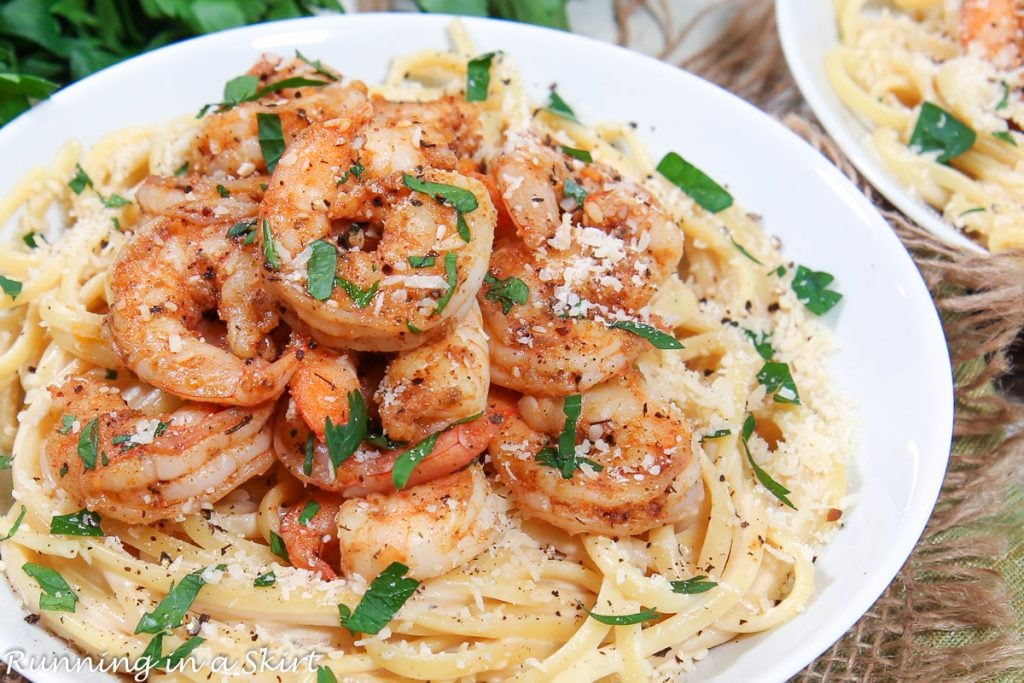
404,270
163,282
228,142
997,27
147,467
202,200
432,528
636,469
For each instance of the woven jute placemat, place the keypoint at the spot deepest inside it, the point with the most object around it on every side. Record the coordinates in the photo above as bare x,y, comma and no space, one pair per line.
955,612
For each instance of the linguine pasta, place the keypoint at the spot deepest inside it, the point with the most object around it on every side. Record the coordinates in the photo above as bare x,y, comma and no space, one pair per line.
515,612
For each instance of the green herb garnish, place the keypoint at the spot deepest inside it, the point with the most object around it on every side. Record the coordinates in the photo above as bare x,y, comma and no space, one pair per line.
581,154
17,525
694,182
382,600
11,288
1005,99
507,292
5,462
778,381
57,595
321,268
182,170
623,619
478,77
318,67
307,463
743,250
325,675
762,343
223,191
81,523
693,585
67,423
270,257
937,129
774,487
309,512
80,181
451,278
422,261
462,200
976,209
556,105
265,580
278,547
408,460
717,434
153,658
811,288
114,201
170,613
88,443
1005,136
564,457
360,297
343,440
271,139
659,339
572,189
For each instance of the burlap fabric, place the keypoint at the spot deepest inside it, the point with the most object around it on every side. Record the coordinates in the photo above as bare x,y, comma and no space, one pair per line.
955,612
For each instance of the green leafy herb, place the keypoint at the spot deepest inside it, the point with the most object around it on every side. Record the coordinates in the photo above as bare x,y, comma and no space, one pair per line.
11,288
170,613
17,525
564,457
382,600
318,67
80,181
581,154
67,423
623,619
694,182
270,257
762,343
114,201
81,523
550,13
451,278
322,265
507,292
57,595
937,129
19,91
278,547
976,209
325,675
557,106
1005,99
243,229
478,77
245,88
354,171
778,381
343,440
412,327
774,487
5,462
408,460
223,191
659,339
422,261
462,200
309,512
88,443
811,288
116,223
307,464
1005,136
110,374
743,250
572,189
360,297
153,658
63,470
182,170
271,139
778,272
32,239
717,434
265,580
693,585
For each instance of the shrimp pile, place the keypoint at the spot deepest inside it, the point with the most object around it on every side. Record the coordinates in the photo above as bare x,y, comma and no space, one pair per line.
408,326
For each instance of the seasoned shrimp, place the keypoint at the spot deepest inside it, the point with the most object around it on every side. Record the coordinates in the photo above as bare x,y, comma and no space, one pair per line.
202,199
143,468
229,141
636,472
431,528
429,387
404,271
997,26
164,281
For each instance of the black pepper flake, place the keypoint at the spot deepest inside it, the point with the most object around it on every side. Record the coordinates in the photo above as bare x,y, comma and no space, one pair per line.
32,619
773,307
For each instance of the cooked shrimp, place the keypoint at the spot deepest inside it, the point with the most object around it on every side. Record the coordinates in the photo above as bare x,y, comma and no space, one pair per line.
431,528
229,141
313,543
320,387
381,302
149,467
997,27
164,281
544,347
433,385
637,470
202,199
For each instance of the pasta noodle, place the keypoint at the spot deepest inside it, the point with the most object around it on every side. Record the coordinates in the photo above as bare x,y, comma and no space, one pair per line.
895,57
514,612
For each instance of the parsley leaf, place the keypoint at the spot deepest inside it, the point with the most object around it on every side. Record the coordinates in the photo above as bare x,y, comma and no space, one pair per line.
382,600
322,265
581,154
812,291
694,182
557,106
5,462
717,434
774,487
343,440
182,170
462,200
778,381
564,457
243,229
88,443
114,201
11,288
325,675
743,250
31,240
1005,136
223,191
270,257
307,464
693,585
57,595
659,339
81,523
507,292
271,139
360,297
318,67
80,181
572,189
1004,101
170,613
623,619
762,343
278,547
976,209
17,525
152,657
309,512
478,77
422,261
265,580
937,129
408,460
452,279
66,422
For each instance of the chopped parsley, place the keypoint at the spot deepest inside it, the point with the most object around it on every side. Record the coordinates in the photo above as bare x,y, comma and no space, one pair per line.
88,443
557,106
270,257
325,675
278,547
1004,101
170,613
245,88
31,239
355,171
699,186
623,619
307,463
265,580
360,297
318,67
460,199
81,523
774,487
422,261
80,181
11,288
381,602
581,154
507,292
938,130
57,595
572,189
244,229
343,440
114,201
182,170
1005,136
762,343
451,278
659,339
717,434
743,250
564,457
17,525
271,139
976,209
478,77
407,460
223,191
309,512
321,268
153,658
5,462
778,381
811,288
693,585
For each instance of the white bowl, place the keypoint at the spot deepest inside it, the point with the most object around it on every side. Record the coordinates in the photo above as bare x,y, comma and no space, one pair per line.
808,31
893,362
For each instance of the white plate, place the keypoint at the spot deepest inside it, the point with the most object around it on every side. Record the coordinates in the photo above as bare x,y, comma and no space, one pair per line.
808,31
893,361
